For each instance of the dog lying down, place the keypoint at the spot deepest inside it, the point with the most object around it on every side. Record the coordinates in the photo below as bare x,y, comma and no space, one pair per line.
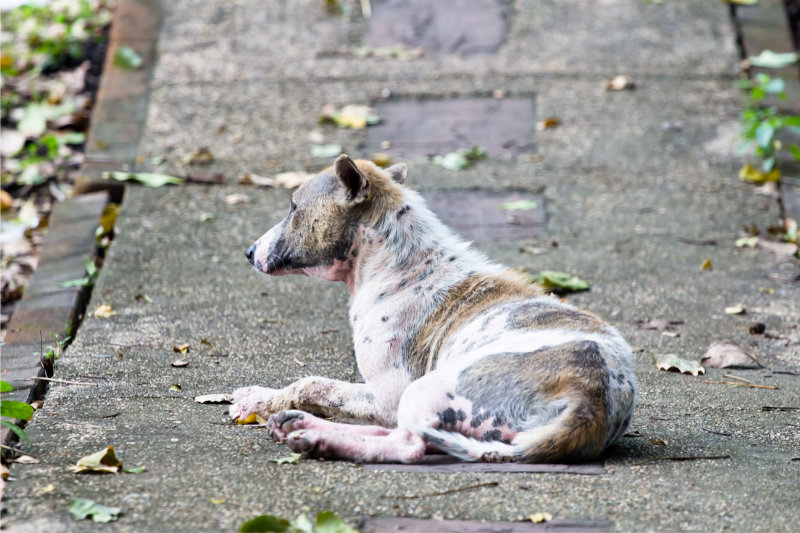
460,355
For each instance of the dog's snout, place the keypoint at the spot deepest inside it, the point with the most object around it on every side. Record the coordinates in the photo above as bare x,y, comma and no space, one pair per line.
250,253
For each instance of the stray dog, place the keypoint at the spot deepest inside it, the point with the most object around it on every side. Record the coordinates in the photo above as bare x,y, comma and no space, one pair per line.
459,354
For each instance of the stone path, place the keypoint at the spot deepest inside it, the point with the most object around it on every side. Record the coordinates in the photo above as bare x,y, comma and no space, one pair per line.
618,191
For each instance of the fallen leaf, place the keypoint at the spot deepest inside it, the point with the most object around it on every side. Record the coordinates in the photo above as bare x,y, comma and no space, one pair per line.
264,523
787,249
706,264
673,362
13,141
4,469
248,178
328,522
460,159
621,83
145,178
37,404
237,198
537,518
251,419
135,470
752,174
183,348
658,441
6,200
143,298
660,325
292,458
205,217
34,122
206,178
770,189
756,328
104,311
48,488
102,462
107,220
670,334
174,388
724,354
82,508
25,460
737,309
382,159
549,122
747,241
180,364
350,116
201,156
126,58
317,489
770,59
521,205
559,281
215,501
214,398
326,150
290,180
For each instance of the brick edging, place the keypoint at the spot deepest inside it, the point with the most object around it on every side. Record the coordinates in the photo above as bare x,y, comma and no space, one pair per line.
46,307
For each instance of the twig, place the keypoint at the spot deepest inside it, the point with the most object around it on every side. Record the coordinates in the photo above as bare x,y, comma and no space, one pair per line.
790,372
693,458
96,377
68,382
490,484
698,242
701,426
737,377
771,408
751,386
112,415
794,425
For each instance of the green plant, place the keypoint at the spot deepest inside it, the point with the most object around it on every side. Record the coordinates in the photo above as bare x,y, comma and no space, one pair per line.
761,126
15,410
326,522
55,351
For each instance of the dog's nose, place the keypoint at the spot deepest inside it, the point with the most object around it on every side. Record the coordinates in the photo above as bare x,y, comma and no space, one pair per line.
250,253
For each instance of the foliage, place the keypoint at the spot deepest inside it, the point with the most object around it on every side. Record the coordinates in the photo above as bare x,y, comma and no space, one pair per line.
327,522
54,352
761,125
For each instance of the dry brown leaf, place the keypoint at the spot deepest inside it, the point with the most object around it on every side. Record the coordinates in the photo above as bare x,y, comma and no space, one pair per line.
248,178
549,122
673,362
778,248
660,325
6,200
102,462
290,180
25,460
202,156
104,311
724,354
48,488
214,398
237,198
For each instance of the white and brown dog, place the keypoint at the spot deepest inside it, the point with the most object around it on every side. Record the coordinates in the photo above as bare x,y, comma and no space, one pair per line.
460,355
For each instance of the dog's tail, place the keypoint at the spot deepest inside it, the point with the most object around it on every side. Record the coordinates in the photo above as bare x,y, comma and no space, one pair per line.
575,434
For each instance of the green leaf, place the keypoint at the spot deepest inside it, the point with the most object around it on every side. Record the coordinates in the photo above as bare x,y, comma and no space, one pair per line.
559,281
302,523
72,137
83,282
30,176
770,59
522,205
175,388
205,217
127,58
17,410
34,123
5,386
135,470
145,178
82,508
764,134
327,522
775,86
16,429
795,151
266,523
292,459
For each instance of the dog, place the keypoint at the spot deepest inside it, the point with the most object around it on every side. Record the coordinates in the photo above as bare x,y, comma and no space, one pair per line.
459,355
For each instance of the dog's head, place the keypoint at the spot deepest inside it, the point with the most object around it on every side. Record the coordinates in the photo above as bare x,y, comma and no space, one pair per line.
316,236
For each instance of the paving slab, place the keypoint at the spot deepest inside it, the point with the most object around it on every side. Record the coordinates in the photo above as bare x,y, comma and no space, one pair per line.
617,190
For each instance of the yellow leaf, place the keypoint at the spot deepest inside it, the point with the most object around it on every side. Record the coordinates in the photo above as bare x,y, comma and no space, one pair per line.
104,311
216,502
251,419
775,175
537,518
706,265
673,362
102,462
549,122
752,174
48,488
737,309
183,348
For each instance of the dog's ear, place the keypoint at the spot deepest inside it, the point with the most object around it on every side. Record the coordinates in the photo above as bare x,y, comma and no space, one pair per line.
397,172
354,181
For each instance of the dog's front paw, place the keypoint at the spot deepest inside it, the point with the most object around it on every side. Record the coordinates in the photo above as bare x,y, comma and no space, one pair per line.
284,423
251,400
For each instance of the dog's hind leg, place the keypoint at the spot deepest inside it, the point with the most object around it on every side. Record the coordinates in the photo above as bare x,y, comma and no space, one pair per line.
286,422
399,446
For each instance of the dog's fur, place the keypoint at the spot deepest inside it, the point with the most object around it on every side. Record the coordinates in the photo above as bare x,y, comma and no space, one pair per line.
459,354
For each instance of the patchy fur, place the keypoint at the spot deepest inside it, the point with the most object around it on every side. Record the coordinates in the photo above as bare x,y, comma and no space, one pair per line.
459,354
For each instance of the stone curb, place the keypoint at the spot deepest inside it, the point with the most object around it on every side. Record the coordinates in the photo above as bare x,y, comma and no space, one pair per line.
46,307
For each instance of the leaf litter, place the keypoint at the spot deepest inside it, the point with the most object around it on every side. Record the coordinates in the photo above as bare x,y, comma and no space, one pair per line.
660,325
460,159
725,354
559,281
82,508
214,398
102,462
672,362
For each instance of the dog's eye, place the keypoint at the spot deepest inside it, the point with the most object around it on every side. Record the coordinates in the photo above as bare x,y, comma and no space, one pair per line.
293,207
